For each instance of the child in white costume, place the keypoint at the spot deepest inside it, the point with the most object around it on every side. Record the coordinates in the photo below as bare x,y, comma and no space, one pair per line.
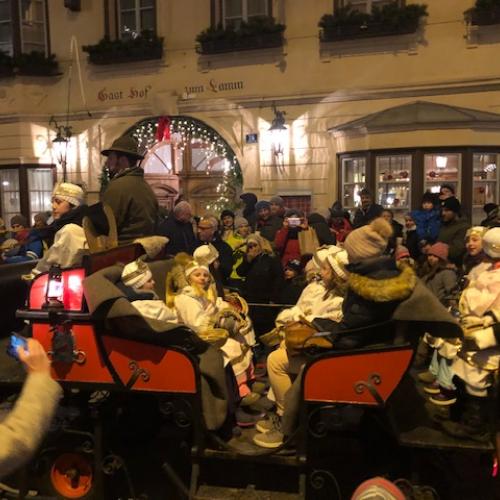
200,309
138,277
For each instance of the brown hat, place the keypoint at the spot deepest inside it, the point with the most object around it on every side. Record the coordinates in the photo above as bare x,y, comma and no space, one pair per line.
124,144
368,241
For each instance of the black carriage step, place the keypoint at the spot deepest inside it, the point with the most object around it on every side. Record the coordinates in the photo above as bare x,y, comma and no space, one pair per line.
249,493
280,458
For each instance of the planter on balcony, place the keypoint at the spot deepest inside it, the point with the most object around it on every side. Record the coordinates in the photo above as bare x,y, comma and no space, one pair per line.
36,64
259,33
483,17
6,65
143,48
347,23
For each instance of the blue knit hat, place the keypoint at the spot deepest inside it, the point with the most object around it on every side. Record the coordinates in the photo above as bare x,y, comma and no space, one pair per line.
262,204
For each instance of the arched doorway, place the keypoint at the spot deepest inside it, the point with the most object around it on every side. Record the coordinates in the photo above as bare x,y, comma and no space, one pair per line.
184,157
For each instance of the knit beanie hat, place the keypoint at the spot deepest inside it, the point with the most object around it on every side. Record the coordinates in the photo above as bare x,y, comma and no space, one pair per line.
429,197
20,220
402,253
378,488
439,250
452,204
322,252
277,200
491,243
368,241
490,208
225,213
338,261
261,205
206,254
239,222
136,274
476,230
337,210
71,193
193,266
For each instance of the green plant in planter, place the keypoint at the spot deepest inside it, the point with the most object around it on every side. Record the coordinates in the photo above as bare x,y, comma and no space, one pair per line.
391,18
6,64
36,64
234,39
484,12
145,46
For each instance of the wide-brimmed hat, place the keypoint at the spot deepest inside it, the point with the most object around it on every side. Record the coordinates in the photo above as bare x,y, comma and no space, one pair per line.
124,144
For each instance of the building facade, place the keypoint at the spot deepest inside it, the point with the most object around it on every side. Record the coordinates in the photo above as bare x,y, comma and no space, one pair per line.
401,113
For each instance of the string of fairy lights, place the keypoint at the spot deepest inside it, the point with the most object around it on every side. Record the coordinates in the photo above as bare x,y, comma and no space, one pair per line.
183,131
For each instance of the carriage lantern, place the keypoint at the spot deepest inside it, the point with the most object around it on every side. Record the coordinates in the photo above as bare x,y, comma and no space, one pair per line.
55,289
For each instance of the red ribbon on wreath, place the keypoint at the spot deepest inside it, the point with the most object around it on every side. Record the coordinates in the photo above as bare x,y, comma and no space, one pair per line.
163,130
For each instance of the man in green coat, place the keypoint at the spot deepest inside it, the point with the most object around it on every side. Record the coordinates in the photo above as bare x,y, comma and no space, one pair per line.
453,229
130,197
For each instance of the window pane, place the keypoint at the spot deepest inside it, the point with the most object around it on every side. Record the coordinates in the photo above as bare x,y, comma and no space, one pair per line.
485,183
40,190
442,168
159,160
5,33
394,183
9,190
203,159
128,23
256,8
353,180
147,3
4,10
127,4
233,8
147,20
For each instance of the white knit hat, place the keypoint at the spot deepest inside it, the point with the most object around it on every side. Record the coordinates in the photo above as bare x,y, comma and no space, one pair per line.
71,193
338,261
206,254
136,274
193,266
322,253
491,243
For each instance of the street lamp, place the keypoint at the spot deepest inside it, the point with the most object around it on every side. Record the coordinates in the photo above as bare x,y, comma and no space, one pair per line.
278,131
60,143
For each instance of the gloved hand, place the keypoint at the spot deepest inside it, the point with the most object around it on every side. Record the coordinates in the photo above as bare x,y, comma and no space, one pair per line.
472,322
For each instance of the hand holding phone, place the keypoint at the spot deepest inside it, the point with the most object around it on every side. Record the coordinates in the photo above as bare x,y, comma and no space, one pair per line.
16,342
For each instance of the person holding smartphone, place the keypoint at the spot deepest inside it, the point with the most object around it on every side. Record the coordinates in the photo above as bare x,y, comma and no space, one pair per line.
24,427
286,241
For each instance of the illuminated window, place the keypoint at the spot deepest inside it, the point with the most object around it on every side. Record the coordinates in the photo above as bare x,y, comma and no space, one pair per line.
136,16
484,183
353,180
236,11
366,6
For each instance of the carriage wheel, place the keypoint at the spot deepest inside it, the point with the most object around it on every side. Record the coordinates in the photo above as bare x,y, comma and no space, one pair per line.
71,475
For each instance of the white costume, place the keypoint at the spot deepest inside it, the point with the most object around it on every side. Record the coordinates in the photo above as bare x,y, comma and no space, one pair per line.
156,309
68,249
479,309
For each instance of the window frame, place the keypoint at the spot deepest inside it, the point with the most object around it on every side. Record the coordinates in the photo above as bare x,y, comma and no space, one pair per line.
337,4
217,9
24,193
17,31
137,9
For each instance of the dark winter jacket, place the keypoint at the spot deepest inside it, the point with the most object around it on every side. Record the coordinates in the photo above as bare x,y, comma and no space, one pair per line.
319,224
263,278
133,203
453,234
291,290
411,243
268,228
441,283
428,223
250,200
226,260
375,288
363,217
180,235
31,249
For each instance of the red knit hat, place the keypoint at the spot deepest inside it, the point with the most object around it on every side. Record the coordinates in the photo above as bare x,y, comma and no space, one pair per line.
402,252
439,250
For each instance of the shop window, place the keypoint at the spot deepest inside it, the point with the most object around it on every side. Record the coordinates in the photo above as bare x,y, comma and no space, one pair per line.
484,183
23,30
25,190
136,16
442,168
353,180
394,183
234,12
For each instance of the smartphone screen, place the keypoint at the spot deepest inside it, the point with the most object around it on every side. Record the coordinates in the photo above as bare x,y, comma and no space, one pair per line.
16,341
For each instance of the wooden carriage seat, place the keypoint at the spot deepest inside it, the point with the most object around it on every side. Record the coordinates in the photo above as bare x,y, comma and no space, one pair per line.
362,377
124,254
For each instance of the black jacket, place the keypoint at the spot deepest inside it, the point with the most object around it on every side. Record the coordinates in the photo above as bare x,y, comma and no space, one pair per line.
263,278
364,217
269,227
318,223
180,234
375,288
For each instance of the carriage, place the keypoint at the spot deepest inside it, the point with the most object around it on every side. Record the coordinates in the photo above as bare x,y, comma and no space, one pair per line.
144,406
